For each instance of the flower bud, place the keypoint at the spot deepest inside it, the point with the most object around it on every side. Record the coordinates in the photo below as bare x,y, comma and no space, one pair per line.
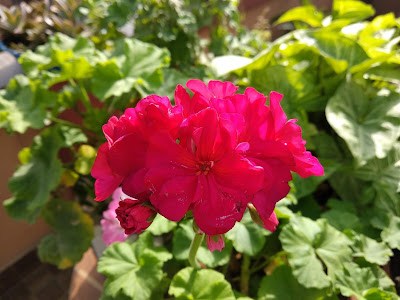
133,216
215,242
269,223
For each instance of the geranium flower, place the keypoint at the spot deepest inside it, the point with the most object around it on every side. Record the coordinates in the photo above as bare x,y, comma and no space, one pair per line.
214,153
112,231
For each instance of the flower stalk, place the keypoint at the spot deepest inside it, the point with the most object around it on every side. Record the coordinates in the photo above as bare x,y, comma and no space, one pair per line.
194,246
245,275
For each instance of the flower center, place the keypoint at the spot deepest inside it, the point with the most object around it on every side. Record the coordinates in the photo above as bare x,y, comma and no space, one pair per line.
204,167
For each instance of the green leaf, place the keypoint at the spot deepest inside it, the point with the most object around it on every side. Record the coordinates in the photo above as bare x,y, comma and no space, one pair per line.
32,183
282,285
23,104
133,270
183,236
134,65
161,225
373,251
307,14
384,172
294,85
311,247
30,190
384,72
377,294
306,186
370,127
69,54
333,45
342,220
137,59
264,58
247,236
200,284
171,78
352,9
74,233
109,81
391,234
353,280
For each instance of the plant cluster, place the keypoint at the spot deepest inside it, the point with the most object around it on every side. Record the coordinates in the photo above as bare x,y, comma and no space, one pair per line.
339,75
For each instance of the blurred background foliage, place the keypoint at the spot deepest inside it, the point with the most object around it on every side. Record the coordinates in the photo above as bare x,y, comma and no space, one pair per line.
339,74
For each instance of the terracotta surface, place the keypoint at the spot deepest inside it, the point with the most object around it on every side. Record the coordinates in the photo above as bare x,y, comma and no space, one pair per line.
16,238
86,282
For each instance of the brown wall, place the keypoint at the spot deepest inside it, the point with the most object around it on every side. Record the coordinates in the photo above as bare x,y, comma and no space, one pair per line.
16,238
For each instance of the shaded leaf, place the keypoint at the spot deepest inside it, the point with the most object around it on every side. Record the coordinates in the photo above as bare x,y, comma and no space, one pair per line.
282,285
391,234
74,233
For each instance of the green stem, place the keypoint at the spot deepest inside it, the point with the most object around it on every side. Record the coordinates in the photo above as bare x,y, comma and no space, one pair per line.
67,123
85,97
245,275
194,246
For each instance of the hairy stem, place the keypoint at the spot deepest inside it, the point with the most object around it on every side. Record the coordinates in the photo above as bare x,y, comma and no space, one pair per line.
194,246
245,275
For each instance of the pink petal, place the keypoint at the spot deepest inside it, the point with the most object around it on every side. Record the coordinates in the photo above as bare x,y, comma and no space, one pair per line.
307,165
198,86
117,195
215,242
222,89
255,96
174,190
277,175
108,129
134,185
276,109
106,180
218,208
127,154
182,97
239,173
270,223
112,231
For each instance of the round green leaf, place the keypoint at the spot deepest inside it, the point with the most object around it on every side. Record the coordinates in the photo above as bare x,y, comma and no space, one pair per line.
200,284
247,236
133,270
358,120
313,246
